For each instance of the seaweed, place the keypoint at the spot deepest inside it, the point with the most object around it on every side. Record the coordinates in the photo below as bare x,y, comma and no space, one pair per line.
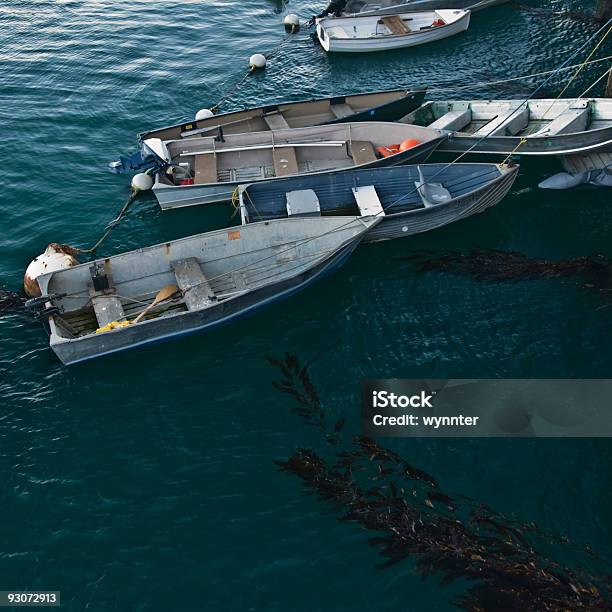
447,535
594,271
11,302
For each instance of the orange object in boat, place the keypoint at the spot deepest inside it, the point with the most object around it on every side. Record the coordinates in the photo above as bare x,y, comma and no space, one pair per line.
409,143
388,150
186,181
438,22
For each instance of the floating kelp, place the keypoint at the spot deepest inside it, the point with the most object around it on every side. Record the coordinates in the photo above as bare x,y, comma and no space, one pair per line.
595,270
11,302
452,536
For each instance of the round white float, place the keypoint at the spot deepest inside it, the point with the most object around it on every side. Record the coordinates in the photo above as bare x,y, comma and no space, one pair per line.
292,22
142,182
56,257
258,61
204,113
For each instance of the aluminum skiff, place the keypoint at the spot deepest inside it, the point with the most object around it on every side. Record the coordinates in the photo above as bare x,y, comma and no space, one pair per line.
218,277
414,199
374,106
538,127
207,171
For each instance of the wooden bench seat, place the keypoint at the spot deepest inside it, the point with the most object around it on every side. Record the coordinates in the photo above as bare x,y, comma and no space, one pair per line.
205,169
362,152
276,121
193,283
285,161
395,24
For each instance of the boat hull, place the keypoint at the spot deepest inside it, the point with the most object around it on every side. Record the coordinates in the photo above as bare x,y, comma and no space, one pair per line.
381,107
475,188
388,43
395,7
170,328
402,225
171,197
564,144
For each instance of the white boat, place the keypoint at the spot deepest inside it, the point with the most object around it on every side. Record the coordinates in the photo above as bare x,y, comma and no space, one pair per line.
385,32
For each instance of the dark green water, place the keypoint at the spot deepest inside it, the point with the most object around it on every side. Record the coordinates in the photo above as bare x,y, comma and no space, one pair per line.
146,481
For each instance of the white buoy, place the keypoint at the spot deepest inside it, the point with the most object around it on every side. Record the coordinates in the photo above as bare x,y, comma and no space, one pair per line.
292,22
56,257
204,113
142,182
258,61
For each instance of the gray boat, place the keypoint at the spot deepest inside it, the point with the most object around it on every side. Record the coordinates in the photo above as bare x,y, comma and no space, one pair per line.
189,285
364,8
208,170
537,127
410,199
388,105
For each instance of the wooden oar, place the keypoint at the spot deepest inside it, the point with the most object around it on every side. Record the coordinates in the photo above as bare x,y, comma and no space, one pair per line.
164,294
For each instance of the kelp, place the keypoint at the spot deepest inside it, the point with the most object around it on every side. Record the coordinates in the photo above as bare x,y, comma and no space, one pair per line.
594,271
447,535
11,302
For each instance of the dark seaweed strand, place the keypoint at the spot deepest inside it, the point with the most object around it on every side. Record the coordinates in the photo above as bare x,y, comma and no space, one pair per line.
595,271
451,536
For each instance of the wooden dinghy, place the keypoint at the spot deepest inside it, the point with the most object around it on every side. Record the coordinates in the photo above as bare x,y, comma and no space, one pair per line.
374,106
190,285
413,199
208,170
385,32
538,127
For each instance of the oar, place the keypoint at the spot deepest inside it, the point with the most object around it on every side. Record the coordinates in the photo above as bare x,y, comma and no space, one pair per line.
164,294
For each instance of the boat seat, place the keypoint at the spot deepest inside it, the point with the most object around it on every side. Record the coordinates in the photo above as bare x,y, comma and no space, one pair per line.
453,121
395,24
276,121
431,194
192,282
508,123
285,161
108,308
569,121
303,203
368,201
362,152
205,169
342,110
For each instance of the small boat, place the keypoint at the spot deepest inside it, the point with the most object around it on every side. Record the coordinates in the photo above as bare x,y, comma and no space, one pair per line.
385,32
410,199
189,285
208,170
389,7
537,127
374,106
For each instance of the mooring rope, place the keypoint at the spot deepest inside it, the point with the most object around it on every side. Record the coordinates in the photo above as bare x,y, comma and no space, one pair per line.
520,78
